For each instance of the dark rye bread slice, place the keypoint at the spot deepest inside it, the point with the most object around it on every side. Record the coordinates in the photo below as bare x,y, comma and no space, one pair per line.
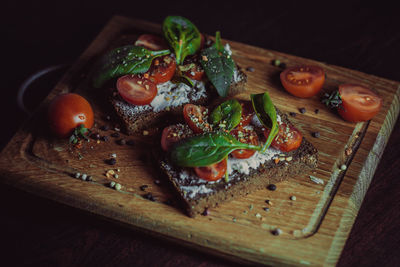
136,119
197,195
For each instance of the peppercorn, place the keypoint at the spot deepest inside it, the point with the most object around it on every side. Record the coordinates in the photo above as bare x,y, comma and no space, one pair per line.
282,65
157,182
105,128
316,111
130,142
105,138
271,187
276,231
302,110
143,187
149,196
316,134
116,135
121,142
250,69
111,161
293,114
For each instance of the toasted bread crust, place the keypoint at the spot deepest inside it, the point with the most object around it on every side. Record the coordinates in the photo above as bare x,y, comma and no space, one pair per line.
135,121
303,159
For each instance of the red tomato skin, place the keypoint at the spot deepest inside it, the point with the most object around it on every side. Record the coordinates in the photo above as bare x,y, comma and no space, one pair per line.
136,90
250,137
213,172
357,113
161,71
197,112
292,143
247,113
315,77
68,111
172,134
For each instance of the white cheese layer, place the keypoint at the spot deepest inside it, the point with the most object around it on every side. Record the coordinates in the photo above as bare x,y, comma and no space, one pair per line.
173,95
244,166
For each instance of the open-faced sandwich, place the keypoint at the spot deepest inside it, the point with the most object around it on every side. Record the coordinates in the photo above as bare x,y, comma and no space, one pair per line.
230,151
157,76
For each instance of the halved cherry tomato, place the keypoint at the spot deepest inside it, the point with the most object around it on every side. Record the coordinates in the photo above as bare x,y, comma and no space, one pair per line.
212,172
247,113
172,134
303,81
68,111
196,117
245,136
136,90
162,69
287,139
358,103
192,68
151,42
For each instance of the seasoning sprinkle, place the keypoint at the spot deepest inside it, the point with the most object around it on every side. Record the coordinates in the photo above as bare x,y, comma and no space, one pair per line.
112,184
302,110
130,142
343,167
118,186
266,209
121,142
77,175
111,161
84,177
316,111
293,114
293,198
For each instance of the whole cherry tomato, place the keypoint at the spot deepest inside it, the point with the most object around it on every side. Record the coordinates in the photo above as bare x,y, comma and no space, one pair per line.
68,111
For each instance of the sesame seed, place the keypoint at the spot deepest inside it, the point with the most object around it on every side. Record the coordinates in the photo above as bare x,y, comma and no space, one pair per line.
84,177
77,175
343,167
113,155
112,184
116,176
145,132
293,198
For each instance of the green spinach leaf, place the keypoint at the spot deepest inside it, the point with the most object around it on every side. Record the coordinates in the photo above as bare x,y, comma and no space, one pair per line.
182,35
128,59
206,149
228,114
218,66
266,113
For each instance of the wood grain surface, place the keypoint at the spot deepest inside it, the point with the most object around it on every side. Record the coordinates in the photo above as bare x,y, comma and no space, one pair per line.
42,232
318,223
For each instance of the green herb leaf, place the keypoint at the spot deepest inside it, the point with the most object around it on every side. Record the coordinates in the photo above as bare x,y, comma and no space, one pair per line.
218,66
266,113
124,60
228,114
182,35
218,43
206,149
181,78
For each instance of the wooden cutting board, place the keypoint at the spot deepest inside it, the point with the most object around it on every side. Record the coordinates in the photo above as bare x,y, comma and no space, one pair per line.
314,227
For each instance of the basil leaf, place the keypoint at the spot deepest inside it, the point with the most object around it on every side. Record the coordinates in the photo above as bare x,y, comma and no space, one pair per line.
218,66
128,59
206,149
182,35
228,113
266,113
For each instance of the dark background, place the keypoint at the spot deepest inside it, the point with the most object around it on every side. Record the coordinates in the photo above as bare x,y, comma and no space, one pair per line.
353,34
